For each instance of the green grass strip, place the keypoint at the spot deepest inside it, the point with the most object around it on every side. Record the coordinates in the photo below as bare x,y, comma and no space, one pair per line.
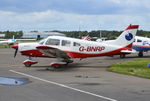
137,67
5,46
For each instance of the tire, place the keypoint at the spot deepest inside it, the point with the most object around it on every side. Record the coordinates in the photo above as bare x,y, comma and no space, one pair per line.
27,65
122,56
140,54
57,67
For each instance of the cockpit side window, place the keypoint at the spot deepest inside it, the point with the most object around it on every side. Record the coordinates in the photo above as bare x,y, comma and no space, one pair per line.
138,40
42,41
53,42
76,44
66,43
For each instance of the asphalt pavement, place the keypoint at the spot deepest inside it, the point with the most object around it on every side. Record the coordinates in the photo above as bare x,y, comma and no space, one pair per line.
83,80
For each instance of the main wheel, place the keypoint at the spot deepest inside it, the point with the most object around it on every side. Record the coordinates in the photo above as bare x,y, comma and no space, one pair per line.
27,65
122,56
56,67
140,54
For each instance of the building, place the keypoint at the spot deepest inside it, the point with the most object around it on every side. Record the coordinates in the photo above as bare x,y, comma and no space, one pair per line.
41,34
2,35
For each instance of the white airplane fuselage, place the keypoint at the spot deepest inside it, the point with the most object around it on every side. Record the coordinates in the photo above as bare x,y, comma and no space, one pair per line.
82,50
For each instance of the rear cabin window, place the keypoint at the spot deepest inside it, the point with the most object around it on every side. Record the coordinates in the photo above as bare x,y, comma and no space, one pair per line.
138,40
66,43
53,42
76,44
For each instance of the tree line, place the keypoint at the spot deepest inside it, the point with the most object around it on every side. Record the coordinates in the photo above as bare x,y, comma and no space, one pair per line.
78,34
10,34
104,33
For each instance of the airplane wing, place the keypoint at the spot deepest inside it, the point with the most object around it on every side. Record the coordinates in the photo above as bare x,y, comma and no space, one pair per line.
25,39
53,52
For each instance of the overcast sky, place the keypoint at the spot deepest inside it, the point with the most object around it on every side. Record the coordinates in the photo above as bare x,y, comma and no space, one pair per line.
69,15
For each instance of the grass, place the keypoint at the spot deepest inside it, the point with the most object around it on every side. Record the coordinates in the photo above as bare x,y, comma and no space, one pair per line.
137,67
5,46
9,46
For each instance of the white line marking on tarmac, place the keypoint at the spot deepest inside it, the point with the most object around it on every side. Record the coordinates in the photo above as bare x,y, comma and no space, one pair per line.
61,85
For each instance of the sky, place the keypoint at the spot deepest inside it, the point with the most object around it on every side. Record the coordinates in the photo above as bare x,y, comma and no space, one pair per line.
73,15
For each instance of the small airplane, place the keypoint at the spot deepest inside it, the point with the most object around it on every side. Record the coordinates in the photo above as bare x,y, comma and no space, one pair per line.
141,44
66,49
8,41
13,40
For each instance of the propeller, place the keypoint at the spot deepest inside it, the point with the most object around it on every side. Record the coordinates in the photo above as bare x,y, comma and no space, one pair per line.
15,52
16,49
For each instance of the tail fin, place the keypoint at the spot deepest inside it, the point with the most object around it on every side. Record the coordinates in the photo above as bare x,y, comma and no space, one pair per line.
127,36
13,37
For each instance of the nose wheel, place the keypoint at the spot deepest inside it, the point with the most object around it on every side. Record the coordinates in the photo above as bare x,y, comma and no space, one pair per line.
140,54
29,63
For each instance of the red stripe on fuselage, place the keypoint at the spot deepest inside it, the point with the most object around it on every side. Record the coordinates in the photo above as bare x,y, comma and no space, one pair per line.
84,55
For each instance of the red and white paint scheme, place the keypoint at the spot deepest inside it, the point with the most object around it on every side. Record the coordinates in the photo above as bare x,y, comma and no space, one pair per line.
66,49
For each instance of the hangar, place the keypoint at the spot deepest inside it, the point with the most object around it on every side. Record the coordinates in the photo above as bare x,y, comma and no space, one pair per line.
41,34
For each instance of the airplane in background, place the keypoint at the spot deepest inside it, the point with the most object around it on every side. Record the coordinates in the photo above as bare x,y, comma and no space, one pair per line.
66,49
13,40
8,41
141,44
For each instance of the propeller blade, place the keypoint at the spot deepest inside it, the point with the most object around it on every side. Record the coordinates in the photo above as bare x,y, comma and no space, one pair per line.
16,52
16,49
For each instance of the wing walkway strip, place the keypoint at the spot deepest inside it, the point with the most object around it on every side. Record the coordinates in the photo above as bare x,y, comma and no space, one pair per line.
61,85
